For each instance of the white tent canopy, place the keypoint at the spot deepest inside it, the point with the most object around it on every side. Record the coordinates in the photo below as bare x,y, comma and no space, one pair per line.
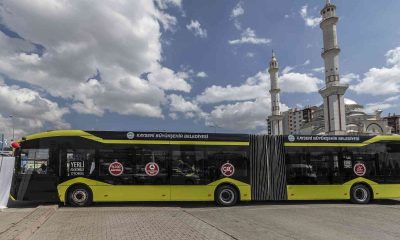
6,172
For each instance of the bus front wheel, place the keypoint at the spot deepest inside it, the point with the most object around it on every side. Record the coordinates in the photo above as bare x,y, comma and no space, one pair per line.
360,194
226,196
79,196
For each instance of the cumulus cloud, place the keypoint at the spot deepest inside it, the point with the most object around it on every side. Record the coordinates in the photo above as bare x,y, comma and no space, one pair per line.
240,115
196,29
350,77
189,109
257,86
248,36
201,75
299,82
382,81
310,21
30,112
287,69
97,59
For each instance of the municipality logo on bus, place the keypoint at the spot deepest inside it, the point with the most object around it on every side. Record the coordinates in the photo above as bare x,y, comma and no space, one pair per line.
130,135
291,138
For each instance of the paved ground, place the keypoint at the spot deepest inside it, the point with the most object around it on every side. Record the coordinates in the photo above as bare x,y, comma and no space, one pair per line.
271,220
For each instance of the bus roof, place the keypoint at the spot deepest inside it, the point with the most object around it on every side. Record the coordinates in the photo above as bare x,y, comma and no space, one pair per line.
290,140
142,137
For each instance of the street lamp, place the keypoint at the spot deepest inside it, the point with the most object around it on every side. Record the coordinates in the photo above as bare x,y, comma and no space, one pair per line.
12,122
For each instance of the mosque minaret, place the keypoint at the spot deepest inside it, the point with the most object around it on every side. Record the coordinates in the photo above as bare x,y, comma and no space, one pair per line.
276,118
333,92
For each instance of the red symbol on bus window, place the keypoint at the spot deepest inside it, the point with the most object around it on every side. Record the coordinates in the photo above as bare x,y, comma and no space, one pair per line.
116,168
359,169
227,169
152,169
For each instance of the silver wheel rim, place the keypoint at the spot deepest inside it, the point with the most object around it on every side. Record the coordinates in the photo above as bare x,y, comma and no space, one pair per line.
79,196
360,194
227,196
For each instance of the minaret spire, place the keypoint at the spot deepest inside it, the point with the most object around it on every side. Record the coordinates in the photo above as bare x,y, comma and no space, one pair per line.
333,92
276,119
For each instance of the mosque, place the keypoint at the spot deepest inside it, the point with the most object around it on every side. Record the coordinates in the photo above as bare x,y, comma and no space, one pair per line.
337,115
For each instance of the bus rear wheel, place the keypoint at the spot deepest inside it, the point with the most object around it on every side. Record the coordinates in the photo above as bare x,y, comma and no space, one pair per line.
79,196
226,196
360,194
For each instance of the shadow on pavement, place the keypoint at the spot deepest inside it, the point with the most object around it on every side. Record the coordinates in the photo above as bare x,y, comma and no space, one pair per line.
213,205
26,204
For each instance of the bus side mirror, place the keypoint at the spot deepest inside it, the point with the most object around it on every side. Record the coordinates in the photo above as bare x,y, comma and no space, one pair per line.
15,145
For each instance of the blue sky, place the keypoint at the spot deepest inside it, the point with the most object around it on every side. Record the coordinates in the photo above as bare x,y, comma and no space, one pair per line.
184,65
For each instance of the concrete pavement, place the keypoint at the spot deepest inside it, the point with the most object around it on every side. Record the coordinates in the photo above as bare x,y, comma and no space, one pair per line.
271,220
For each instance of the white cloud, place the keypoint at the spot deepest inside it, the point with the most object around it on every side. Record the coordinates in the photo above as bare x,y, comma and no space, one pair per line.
372,107
164,4
31,112
382,81
201,75
287,69
247,115
310,21
247,106
174,116
307,62
286,16
195,27
177,104
257,86
319,70
240,115
299,82
166,79
350,77
253,87
119,40
248,36
237,10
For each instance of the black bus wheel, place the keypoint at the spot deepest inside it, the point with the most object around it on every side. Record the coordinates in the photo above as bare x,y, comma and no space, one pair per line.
360,194
226,196
79,196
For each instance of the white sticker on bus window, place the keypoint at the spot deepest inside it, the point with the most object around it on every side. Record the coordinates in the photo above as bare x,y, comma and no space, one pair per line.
347,164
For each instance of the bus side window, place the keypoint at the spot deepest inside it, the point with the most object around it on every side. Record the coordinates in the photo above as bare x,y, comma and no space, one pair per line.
187,167
35,161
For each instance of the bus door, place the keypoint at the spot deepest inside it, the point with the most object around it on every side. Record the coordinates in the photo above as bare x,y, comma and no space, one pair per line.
37,177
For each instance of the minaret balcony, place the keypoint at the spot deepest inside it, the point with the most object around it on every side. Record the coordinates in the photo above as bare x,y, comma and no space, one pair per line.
275,90
338,88
328,20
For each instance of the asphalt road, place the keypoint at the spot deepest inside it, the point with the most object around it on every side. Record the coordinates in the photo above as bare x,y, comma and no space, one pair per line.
267,220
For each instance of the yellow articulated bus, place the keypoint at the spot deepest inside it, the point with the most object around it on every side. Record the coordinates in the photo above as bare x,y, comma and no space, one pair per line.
81,167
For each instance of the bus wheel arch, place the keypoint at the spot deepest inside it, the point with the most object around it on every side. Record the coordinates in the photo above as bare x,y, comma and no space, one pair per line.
79,195
226,194
361,193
